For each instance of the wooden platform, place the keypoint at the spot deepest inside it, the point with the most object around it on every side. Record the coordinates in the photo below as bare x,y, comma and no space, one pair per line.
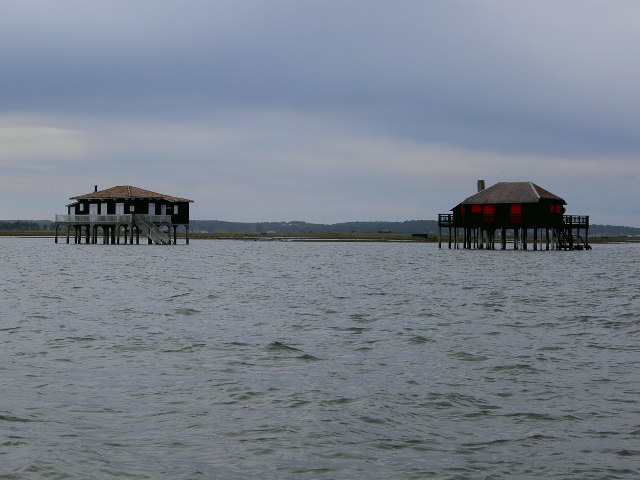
114,228
571,234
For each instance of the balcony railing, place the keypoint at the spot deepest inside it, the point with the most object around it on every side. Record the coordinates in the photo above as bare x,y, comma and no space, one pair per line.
513,220
160,218
109,219
576,220
445,219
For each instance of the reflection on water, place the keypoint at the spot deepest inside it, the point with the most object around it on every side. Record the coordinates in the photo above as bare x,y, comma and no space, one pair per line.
236,360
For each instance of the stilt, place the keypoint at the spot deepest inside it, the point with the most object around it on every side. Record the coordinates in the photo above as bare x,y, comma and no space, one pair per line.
586,238
547,237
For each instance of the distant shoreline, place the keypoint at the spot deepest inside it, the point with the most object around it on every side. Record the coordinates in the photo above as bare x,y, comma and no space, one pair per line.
314,237
345,237
383,230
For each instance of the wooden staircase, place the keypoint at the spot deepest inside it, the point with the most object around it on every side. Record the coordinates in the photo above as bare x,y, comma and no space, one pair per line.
570,235
148,228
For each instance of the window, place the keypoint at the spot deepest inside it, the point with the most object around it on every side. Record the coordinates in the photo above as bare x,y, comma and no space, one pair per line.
476,209
516,212
175,209
488,213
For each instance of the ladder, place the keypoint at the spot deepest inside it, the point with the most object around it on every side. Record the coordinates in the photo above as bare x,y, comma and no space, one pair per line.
567,240
148,228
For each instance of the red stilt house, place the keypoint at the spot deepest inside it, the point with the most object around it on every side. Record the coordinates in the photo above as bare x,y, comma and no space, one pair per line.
518,207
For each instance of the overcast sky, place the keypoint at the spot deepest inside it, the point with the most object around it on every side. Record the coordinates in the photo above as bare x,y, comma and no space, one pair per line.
320,110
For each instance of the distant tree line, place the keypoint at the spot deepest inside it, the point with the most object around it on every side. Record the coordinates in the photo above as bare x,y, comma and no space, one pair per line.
25,225
409,226
613,231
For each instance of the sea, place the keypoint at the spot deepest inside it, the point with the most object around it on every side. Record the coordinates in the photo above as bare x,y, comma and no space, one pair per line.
228,359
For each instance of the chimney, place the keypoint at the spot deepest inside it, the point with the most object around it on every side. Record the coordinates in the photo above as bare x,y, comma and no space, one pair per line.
480,185
95,188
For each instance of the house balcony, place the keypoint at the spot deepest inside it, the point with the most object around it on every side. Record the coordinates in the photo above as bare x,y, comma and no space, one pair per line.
445,220
576,221
109,219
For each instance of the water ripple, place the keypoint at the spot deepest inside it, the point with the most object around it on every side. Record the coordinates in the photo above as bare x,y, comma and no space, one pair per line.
273,360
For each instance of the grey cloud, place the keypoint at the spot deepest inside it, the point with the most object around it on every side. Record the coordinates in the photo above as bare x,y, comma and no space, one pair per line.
453,72
540,78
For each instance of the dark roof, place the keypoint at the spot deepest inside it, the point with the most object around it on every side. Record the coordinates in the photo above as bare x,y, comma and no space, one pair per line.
128,192
512,192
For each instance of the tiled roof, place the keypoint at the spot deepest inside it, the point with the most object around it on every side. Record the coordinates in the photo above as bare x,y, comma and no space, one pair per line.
128,192
512,192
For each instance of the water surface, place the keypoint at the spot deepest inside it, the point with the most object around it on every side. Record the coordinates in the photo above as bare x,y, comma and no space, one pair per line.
277,360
